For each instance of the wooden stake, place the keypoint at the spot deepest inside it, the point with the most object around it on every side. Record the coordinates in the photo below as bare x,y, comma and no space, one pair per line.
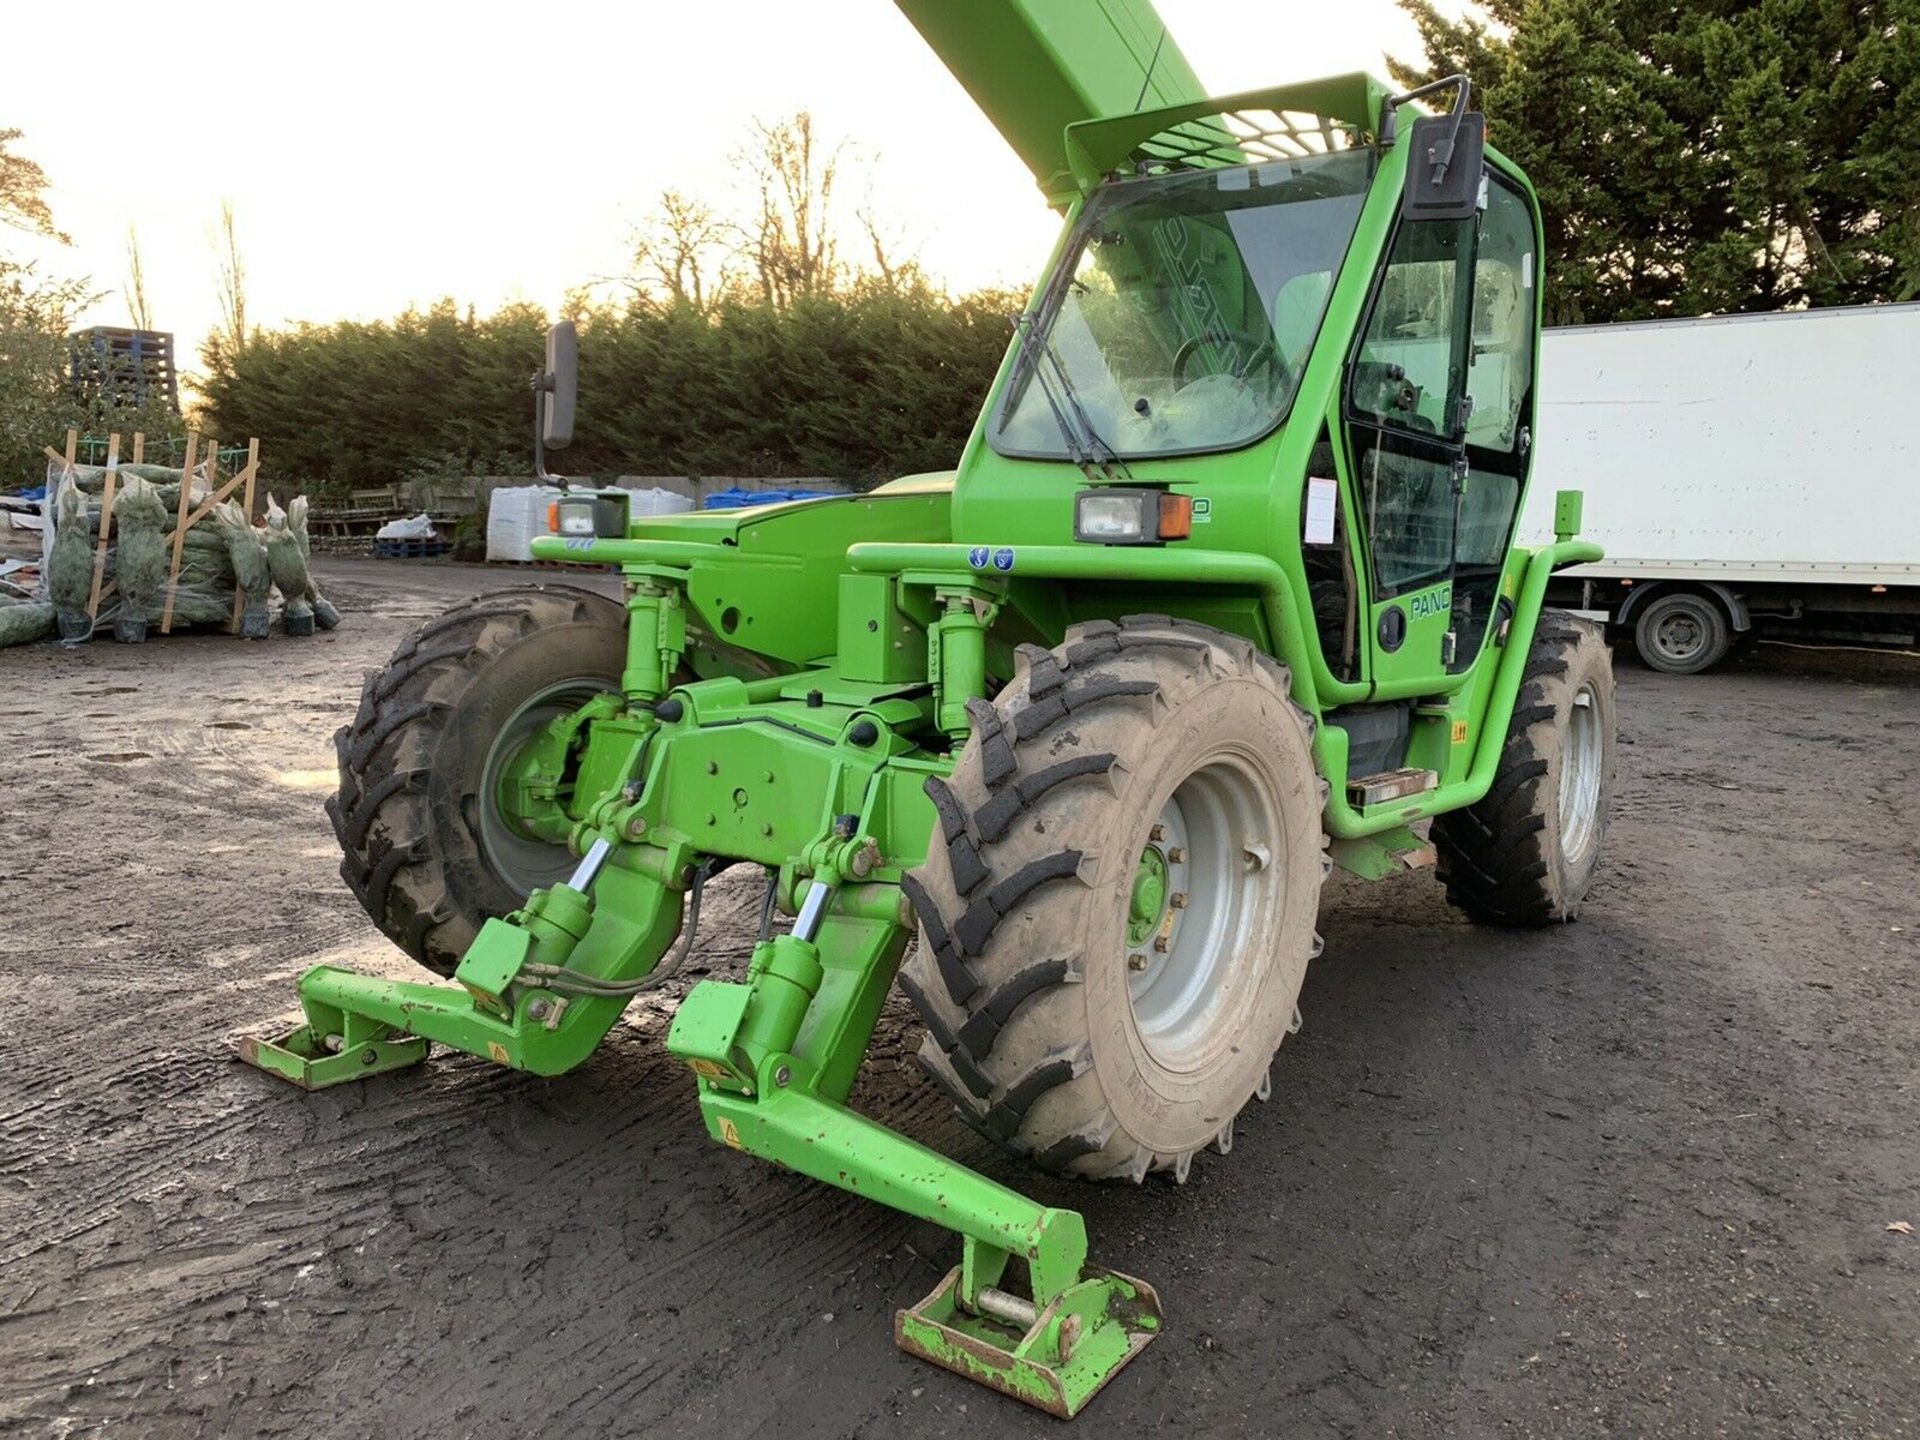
106,519
139,446
180,523
205,507
253,468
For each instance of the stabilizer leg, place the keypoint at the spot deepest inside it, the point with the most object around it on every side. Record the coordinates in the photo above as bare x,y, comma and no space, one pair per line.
358,1026
314,1060
1054,1350
771,1085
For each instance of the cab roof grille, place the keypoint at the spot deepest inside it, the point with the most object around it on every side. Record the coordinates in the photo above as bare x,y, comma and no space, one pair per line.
1242,137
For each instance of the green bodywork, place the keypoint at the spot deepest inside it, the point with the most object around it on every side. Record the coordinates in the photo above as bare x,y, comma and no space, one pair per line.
834,645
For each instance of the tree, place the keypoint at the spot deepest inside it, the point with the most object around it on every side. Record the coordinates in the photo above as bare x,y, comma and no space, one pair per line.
1727,155
36,402
137,307
680,253
790,244
22,205
893,270
232,286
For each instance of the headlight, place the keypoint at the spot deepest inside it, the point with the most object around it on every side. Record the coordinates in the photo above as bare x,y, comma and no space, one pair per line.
573,516
589,514
1131,517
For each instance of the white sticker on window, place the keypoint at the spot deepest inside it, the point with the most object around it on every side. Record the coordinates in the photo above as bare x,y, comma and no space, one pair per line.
1322,500
1526,271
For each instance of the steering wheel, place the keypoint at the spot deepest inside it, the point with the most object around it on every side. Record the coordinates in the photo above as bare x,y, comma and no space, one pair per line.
1259,351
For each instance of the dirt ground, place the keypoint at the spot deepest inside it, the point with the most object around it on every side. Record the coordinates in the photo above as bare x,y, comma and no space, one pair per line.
1632,1177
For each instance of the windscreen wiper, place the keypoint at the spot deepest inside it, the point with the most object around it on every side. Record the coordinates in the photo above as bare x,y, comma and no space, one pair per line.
1097,443
1076,447
1085,444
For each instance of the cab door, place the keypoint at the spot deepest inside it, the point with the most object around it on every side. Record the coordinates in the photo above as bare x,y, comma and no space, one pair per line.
1406,411
1439,416
1500,411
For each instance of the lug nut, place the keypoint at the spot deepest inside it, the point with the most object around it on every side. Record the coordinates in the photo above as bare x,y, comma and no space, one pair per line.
1136,962
1162,943
1176,855
1158,832
1178,900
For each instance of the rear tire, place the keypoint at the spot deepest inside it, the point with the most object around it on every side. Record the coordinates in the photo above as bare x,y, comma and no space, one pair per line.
423,847
1682,633
1054,1022
1528,852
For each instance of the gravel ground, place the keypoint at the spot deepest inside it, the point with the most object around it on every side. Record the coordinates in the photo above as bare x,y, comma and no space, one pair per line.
1631,1177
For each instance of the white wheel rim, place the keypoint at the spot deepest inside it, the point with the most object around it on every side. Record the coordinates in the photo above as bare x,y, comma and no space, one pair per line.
524,863
1215,838
1582,758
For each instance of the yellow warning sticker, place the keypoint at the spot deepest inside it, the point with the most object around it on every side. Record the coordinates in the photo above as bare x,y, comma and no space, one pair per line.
709,1070
1459,732
498,1053
729,1135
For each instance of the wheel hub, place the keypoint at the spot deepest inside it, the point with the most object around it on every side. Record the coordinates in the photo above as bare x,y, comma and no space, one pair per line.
1149,896
1679,636
520,819
1194,902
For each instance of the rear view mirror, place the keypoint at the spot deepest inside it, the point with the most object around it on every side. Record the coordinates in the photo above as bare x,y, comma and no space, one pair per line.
1445,165
559,386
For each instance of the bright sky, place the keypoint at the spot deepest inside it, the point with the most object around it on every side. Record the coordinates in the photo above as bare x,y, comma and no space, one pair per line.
381,155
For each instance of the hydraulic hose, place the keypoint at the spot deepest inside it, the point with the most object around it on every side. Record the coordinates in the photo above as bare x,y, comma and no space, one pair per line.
563,980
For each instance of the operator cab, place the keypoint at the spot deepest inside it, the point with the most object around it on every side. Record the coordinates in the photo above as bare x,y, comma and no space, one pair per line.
1329,365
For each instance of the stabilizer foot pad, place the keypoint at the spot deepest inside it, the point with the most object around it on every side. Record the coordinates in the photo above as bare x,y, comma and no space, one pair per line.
298,1056
1073,1347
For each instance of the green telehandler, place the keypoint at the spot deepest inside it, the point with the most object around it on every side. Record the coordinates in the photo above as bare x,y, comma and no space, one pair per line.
1222,593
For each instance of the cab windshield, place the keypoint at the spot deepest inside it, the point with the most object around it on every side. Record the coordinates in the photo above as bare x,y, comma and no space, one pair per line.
1184,312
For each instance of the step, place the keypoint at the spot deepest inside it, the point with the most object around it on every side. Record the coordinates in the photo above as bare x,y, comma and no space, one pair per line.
1390,785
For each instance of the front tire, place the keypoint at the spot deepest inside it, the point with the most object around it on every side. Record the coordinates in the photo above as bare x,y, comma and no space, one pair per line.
424,847
1527,853
1118,907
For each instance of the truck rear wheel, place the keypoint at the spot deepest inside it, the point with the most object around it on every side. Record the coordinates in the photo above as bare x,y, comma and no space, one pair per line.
1118,907
425,848
1682,633
1528,852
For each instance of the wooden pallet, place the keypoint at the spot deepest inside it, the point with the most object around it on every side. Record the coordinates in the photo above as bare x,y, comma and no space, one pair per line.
411,549
549,565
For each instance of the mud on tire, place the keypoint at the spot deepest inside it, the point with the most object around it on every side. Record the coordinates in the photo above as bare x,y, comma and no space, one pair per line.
407,812
1528,852
1039,1028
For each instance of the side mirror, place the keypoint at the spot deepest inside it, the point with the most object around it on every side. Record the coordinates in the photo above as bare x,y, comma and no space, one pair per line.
1446,164
559,386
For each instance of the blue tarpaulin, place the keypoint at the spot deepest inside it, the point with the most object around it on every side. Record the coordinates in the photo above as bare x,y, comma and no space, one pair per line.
738,499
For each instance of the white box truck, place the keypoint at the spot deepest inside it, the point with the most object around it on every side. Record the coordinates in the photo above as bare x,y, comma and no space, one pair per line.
1746,474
